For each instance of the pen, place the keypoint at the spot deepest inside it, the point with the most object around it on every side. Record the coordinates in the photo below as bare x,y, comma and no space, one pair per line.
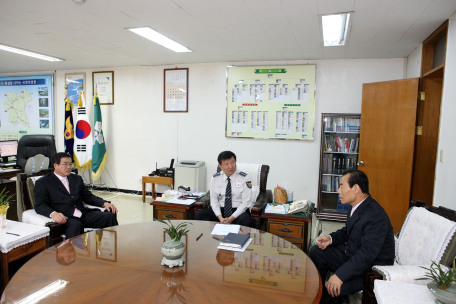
199,237
18,234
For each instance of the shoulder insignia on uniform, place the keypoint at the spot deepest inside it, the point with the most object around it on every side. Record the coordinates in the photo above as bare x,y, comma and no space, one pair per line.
249,184
216,174
242,173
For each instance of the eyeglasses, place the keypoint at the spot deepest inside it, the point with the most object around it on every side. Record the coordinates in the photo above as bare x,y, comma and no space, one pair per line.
66,164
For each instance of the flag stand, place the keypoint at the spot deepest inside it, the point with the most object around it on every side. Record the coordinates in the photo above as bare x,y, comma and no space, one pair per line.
101,183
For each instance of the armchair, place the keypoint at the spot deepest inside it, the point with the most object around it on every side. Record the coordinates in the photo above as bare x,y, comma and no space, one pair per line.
428,234
260,196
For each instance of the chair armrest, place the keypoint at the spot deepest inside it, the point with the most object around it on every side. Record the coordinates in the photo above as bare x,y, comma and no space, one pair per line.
264,198
102,209
31,217
404,273
203,202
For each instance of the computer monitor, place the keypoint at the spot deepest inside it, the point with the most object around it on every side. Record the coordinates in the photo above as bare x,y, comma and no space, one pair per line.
8,148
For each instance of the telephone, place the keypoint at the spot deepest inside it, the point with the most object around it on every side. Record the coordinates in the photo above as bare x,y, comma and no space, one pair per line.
299,206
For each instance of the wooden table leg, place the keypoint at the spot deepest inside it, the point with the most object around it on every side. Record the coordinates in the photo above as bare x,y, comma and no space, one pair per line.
153,191
144,190
4,265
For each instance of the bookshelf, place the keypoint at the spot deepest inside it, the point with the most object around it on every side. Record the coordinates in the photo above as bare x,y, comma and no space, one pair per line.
338,153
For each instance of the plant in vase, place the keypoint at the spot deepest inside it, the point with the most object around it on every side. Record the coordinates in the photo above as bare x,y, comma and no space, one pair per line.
442,282
4,205
173,250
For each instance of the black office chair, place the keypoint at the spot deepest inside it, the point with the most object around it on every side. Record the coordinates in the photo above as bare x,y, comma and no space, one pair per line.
31,145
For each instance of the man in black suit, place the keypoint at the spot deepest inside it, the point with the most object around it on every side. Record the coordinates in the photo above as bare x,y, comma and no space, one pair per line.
60,194
366,240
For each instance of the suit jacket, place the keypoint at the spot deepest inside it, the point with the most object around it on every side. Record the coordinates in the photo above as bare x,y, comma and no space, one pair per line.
367,239
51,195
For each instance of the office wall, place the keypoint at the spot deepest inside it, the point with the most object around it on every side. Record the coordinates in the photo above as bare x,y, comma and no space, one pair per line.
414,63
138,133
445,168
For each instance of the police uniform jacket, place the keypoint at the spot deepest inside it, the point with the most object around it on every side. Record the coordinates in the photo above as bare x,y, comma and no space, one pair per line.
241,190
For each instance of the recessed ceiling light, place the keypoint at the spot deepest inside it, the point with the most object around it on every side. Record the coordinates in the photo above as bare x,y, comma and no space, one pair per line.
336,28
158,38
28,53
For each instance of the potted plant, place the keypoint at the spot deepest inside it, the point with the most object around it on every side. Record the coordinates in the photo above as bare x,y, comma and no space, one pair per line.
442,282
4,205
174,249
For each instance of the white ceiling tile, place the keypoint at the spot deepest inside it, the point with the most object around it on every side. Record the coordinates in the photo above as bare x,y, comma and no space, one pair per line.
335,6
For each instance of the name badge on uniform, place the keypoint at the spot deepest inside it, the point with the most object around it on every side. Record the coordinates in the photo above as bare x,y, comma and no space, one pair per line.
238,184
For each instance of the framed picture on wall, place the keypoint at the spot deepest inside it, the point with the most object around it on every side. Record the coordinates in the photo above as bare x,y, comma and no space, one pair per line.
103,83
74,82
175,90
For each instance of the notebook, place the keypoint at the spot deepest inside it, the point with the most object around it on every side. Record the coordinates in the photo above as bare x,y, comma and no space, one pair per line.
234,240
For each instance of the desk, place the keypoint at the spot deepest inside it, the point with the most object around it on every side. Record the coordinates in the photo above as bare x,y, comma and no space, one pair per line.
31,241
295,229
133,274
155,180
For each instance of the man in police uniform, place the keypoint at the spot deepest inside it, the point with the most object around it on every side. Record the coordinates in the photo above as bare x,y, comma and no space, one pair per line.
230,192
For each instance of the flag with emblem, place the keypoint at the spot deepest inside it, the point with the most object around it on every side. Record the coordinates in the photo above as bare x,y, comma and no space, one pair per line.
99,155
83,142
69,130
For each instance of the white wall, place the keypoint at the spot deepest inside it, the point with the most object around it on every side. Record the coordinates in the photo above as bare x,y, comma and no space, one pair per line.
444,182
414,63
138,133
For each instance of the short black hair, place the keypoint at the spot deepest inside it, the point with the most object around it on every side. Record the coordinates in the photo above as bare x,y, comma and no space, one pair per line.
225,155
358,177
57,157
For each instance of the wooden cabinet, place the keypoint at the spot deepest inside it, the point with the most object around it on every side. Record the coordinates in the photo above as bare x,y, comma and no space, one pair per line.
294,229
339,152
173,211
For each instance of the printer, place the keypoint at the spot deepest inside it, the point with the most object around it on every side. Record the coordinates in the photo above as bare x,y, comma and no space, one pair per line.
190,173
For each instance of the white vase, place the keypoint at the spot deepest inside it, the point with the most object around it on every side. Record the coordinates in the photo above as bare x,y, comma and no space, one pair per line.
173,252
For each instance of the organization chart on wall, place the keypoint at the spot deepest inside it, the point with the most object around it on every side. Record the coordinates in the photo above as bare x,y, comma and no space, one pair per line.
271,102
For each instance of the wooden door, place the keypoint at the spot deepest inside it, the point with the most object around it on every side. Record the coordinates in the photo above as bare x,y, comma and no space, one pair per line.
387,139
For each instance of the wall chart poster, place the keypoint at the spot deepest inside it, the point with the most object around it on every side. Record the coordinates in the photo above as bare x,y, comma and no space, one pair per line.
271,102
26,105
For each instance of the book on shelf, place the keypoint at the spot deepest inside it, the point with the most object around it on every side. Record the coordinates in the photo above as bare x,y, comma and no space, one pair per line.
234,240
342,124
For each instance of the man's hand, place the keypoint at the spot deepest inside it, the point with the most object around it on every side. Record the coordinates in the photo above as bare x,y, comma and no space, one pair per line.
333,285
323,242
229,220
221,219
59,217
110,207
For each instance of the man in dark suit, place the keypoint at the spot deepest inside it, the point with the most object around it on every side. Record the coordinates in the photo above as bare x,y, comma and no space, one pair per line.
366,240
60,194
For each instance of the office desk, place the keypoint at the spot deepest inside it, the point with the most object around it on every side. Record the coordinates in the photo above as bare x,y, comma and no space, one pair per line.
269,271
155,180
173,211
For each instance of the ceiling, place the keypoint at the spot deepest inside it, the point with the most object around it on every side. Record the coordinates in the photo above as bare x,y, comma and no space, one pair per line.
93,35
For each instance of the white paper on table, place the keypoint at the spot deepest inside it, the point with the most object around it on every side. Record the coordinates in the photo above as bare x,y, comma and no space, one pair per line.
176,200
221,229
236,249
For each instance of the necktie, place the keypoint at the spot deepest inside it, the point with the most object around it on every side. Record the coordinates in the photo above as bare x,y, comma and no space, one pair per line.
77,212
227,211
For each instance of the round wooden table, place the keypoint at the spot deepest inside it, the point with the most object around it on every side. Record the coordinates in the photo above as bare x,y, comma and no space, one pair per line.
123,265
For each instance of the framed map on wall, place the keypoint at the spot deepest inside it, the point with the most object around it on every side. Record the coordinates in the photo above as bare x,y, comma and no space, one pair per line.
26,105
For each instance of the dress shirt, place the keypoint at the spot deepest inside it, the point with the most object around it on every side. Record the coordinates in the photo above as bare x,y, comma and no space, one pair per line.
241,191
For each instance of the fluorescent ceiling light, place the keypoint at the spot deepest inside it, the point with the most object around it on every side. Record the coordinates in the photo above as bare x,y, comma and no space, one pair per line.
158,38
335,29
27,53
